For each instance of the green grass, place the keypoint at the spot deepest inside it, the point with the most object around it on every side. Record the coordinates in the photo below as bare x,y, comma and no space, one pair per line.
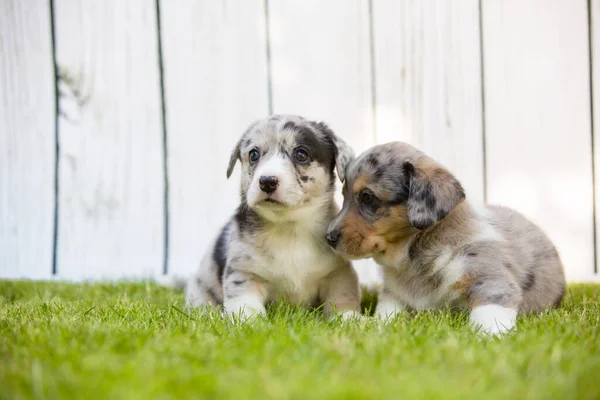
137,341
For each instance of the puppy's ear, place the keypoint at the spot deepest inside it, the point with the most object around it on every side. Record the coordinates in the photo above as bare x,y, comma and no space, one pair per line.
235,155
344,156
343,152
433,193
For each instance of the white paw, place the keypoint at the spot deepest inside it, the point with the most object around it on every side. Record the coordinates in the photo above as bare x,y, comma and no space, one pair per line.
493,319
243,308
387,310
352,315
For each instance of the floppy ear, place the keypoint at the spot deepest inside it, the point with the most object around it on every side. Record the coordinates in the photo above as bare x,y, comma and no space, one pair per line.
433,193
235,155
343,152
343,157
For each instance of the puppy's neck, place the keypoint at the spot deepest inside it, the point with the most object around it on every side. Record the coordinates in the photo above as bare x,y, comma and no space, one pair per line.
454,227
312,217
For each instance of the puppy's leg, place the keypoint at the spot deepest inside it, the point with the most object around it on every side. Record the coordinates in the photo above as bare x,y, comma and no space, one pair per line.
494,303
204,288
200,293
388,302
388,305
244,294
340,292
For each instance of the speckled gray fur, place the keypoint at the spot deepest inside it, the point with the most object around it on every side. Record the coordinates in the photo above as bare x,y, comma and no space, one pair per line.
436,249
274,246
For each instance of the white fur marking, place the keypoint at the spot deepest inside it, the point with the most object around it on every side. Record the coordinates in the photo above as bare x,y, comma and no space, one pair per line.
351,315
387,309
485,231
493,319
287,192
298,260
196,296
443,260
453,271
244,306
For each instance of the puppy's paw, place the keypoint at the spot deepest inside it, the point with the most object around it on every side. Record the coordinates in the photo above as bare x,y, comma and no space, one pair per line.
348,317
352,315
245,314
243,309
493,320
386,311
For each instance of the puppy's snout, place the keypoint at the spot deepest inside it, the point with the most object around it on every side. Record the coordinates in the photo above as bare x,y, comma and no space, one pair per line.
333,237
268,184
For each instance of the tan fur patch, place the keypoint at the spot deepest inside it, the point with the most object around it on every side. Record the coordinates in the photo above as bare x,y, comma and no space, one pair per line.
427,165
355,234
395,226
360,183
361,238
463,285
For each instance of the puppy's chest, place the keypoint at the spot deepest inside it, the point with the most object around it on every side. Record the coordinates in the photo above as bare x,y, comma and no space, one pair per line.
428,284
293,266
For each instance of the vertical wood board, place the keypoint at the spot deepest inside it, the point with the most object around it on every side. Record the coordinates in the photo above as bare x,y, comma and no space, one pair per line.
27,140
427,64
320,62
110,132
595,77
215,67
538,122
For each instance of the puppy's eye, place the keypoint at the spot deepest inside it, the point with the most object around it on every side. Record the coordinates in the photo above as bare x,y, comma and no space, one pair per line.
301,155
366,198
254,155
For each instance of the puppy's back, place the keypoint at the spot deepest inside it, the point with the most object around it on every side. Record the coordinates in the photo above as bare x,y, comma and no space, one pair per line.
538,268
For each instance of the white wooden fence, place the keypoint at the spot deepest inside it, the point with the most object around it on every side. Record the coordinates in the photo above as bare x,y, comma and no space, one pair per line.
117,117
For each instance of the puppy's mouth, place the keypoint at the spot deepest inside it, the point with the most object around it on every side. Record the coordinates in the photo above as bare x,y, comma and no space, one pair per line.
271,202
350,251
351,257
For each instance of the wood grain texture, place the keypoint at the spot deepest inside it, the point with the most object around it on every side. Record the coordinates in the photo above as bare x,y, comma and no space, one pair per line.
321,69
27,140
595,80
538,122
427,65
110,129
215,68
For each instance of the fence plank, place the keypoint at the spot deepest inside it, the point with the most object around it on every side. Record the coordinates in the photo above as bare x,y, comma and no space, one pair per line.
27,140
321,68
595,65
215,67
110,132
320,56
428,82
538,133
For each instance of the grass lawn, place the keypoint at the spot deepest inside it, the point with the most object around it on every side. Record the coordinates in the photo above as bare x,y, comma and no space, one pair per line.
137,341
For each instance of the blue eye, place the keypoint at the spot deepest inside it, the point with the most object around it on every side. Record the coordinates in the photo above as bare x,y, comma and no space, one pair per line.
254,155
301,156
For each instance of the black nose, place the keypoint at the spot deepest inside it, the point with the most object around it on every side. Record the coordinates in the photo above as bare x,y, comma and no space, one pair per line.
333,237
268,184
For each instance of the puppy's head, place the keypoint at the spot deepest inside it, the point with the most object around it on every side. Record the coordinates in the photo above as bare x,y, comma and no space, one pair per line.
288,163
391,191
